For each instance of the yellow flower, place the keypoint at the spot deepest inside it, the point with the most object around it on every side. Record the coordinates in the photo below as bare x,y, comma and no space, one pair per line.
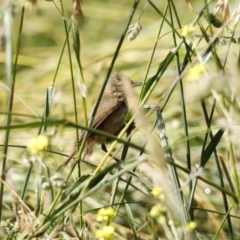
38,145
191,226
162,220
157,192
187,30
106,233
157,210
194,73
106,214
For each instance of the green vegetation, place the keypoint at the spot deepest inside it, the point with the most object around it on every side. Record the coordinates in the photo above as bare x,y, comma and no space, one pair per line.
178,171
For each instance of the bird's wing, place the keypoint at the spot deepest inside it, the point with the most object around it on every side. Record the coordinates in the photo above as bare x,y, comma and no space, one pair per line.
105,108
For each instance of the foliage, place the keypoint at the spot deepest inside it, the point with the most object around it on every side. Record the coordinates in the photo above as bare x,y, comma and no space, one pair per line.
177,174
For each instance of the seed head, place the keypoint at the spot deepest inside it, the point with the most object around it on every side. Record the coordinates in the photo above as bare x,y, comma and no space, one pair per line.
133,31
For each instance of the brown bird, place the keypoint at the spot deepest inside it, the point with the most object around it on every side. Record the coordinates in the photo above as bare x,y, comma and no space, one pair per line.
110,115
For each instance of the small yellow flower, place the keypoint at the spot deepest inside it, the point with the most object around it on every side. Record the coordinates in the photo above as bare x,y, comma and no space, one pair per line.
187,30
106,233
162,220
38,145
194,73
191,226
157,192
158,210
106,215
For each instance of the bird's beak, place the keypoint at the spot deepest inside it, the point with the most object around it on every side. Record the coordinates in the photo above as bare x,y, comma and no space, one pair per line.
136,84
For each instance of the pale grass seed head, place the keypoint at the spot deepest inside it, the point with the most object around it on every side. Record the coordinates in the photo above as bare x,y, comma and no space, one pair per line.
133,31
82,87
58,181
31,5
77,11
45,184
222,5
236,15
12,228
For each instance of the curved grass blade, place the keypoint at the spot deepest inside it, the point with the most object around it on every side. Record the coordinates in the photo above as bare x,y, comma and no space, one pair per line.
161,68
210,148
75,186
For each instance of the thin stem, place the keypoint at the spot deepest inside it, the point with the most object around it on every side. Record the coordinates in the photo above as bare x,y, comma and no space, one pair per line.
9,109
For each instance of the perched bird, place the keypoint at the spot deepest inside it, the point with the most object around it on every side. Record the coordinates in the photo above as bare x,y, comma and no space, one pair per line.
110,115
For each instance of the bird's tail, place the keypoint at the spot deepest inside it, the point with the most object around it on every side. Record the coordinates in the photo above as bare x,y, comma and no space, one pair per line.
87,151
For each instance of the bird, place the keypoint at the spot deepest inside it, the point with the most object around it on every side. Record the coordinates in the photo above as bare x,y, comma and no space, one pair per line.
109,117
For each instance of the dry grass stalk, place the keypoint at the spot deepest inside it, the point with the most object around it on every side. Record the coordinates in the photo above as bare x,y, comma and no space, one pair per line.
224,6
77,11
